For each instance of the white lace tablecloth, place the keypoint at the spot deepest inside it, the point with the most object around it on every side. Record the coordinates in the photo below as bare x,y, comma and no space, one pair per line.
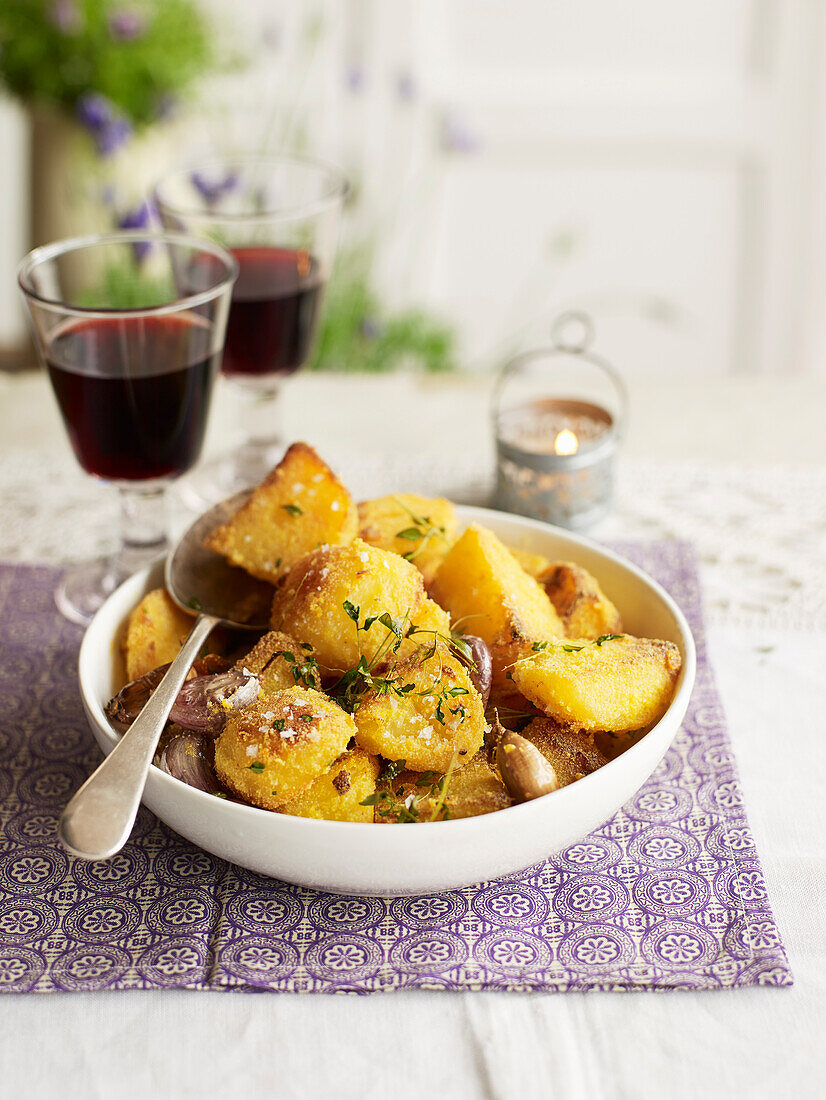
760,528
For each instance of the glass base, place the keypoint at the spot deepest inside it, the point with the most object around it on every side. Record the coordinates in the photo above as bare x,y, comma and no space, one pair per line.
84,588
226,475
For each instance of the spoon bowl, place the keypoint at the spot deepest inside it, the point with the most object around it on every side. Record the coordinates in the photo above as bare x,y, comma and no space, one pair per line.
98,819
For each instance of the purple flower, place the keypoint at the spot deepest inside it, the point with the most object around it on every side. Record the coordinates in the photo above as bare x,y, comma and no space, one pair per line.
139,217
354,78
406,87
212,190
64,15
111,136
94,111
126,24
109,129
371,329
457,136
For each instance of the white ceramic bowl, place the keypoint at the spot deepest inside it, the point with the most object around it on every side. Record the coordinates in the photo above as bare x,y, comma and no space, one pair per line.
351,858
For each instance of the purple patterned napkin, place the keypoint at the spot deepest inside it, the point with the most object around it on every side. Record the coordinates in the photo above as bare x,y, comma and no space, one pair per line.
667,894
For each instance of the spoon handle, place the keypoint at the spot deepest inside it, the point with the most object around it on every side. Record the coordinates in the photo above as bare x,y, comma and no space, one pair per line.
97,821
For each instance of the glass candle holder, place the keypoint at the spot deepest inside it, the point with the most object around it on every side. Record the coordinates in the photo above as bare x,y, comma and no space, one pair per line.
558,414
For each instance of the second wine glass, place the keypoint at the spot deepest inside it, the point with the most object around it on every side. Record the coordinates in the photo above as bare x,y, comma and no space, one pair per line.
279,217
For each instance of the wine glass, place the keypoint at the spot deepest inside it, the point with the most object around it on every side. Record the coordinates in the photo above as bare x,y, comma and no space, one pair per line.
279,217
132,344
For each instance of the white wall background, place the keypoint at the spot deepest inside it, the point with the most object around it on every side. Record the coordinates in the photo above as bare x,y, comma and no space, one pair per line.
661,163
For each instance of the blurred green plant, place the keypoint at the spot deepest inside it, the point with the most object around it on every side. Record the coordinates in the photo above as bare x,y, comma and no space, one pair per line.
117,66
358,335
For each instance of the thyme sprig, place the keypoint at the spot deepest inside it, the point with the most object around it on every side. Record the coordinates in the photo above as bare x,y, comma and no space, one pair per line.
411,807
422,529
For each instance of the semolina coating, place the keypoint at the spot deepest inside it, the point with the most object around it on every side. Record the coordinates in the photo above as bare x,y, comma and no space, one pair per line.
533,564
622,684
421,529
300,505
433,714
585,610
488,593
280,662
310,605
339,793
428,623
471,790
155,632
271,751
571,753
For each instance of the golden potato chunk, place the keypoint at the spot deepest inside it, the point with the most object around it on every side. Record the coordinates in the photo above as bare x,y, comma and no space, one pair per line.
421,529
300,505
622,684
429,713
571,753
321,595
279,662
271,751
489,594
471,790
533,564
156,630
339,793
585,610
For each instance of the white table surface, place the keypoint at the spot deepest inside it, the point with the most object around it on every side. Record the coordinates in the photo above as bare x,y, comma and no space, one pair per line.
701,461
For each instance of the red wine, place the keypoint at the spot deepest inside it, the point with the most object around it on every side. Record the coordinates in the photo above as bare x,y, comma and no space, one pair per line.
134,392
275,306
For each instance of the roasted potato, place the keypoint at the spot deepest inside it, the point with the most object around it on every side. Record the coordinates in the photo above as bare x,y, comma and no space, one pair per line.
489,594
533,564
428,714
470,791
571,753
620,684
156,630
300,505
271,751
281,662
322,593
583,607
339,793
421,529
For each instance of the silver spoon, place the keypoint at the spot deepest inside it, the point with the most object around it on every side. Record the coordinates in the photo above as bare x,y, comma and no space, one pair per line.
97,821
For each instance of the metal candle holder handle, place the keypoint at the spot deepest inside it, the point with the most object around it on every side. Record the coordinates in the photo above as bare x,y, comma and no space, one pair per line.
570,485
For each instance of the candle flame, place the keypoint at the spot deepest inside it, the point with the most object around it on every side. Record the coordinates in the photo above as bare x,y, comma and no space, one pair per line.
566,443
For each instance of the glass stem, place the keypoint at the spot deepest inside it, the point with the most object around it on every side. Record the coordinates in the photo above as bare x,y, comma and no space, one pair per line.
262,440
143,527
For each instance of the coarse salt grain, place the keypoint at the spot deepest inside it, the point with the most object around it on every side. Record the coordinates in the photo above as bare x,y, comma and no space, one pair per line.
426,733
364,555
252,750
335,506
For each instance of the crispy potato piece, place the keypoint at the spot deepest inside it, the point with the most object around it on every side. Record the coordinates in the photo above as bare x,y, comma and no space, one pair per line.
472,790
338,794
382,521
426,724
623,684
156,630
489,594
281,662
571,753
476,789
533,564
428,621
271,751
301,504
585,610
310,603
